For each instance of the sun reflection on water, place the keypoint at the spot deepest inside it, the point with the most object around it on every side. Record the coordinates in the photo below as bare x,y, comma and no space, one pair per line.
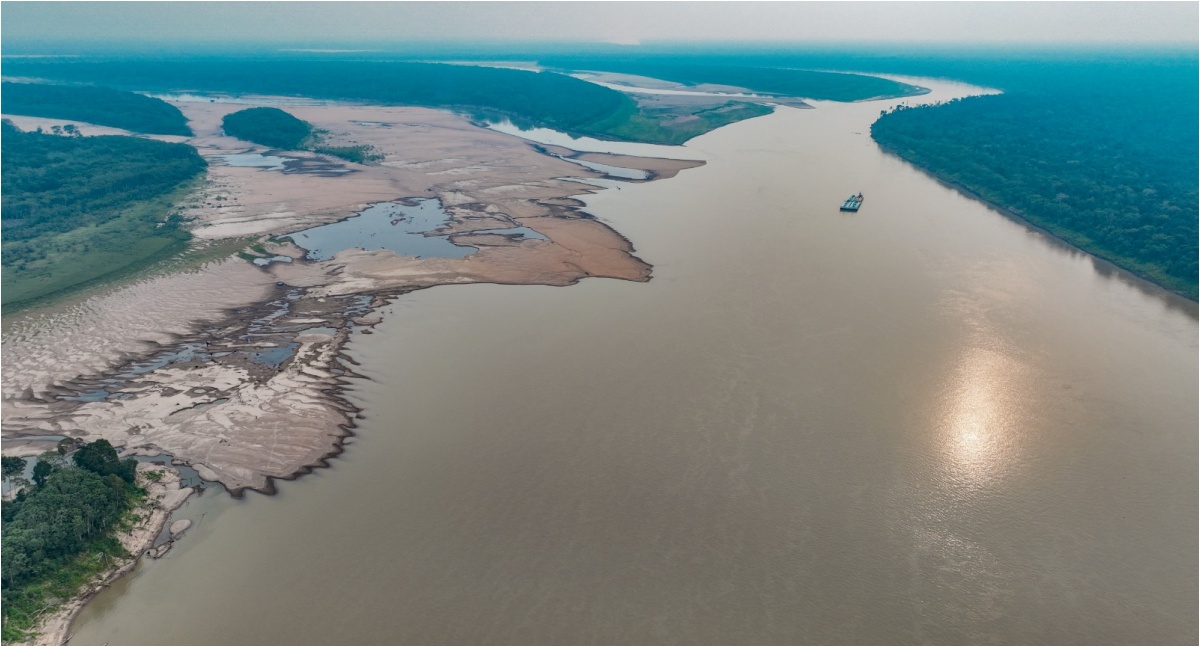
979,432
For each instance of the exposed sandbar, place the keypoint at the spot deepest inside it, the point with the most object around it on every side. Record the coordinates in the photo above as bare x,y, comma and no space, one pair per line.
237,369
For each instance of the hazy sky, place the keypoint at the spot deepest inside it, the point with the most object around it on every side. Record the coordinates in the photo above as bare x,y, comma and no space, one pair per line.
612,22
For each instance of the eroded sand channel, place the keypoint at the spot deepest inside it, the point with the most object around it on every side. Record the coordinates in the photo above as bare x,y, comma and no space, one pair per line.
236,368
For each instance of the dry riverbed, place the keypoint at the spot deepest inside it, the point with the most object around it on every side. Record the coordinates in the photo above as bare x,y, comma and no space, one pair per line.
237,368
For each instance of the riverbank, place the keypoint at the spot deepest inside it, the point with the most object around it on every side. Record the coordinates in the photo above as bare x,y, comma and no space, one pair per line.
237,368
1074,240
917,424
163,496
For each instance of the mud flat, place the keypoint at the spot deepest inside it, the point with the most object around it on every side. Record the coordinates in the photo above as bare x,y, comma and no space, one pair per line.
237,368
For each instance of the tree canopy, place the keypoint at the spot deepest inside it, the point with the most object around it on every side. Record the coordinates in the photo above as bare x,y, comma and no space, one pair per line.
69,507
1078,158
268,126
552,100
55,184
101,106
76,208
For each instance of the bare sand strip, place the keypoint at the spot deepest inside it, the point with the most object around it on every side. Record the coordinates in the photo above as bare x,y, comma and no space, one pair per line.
238,370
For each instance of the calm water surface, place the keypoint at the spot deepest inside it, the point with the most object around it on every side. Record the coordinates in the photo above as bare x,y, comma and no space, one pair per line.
398,227
918,423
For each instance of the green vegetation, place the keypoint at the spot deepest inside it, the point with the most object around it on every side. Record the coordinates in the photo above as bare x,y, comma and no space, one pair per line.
808,84
1114,177
552,100
60,535
76,209
359,154
269,127
278,129
660,126
100,106
528,98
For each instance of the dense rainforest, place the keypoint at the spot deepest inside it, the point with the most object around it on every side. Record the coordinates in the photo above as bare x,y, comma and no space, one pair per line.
77,208
1124,195
57,532
1100,151
100,106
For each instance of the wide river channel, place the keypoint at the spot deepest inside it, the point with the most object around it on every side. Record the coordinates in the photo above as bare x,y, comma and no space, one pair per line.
920,423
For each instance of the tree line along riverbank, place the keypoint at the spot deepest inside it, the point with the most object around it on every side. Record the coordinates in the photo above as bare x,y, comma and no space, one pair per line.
1088,166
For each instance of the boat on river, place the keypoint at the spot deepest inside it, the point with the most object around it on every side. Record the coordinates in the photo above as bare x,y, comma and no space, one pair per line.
853,203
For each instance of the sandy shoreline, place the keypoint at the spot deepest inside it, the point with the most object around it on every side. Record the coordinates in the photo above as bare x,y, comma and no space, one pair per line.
238,370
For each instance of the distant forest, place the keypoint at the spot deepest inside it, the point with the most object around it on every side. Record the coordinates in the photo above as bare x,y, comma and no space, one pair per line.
807,84
1099,148
1104,156
551,100
76,208
100,106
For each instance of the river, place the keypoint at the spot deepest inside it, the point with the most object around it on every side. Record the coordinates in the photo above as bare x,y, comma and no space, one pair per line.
920,423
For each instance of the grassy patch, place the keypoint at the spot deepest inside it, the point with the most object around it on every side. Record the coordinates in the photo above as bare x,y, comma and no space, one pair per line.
74,259
647,126
361,154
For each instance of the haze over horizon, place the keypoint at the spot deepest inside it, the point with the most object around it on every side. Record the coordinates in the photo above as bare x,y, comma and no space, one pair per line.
619,23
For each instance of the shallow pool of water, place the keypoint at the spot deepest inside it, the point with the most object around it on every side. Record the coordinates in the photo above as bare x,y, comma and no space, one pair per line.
394,226
263,262
275,356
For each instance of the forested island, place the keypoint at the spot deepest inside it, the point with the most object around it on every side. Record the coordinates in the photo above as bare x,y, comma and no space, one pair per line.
78,208
95,105
279,129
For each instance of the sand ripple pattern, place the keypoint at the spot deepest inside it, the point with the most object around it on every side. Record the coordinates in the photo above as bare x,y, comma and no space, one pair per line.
44,351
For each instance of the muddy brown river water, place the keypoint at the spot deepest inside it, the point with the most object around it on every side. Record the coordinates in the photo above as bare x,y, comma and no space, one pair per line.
920,423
